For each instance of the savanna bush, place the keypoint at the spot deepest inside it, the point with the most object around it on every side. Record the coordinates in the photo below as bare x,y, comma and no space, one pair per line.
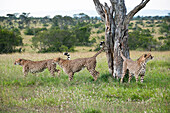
9,39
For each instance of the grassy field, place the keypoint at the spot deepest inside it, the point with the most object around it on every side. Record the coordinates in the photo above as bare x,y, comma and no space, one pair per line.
43,93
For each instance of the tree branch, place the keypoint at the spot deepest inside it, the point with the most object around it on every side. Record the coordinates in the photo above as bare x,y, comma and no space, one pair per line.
135,10
114,4
99,9
107,19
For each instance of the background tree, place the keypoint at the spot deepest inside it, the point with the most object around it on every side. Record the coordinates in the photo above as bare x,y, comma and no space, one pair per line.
68,20
11,16
141,39
9,40
25,19
116,31
58,21
54,40
165,29
82,32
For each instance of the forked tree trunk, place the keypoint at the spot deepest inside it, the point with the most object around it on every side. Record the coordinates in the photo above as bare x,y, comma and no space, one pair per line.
116,31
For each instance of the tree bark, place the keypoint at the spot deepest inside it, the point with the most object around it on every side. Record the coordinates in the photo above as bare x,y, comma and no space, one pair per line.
106,15
109,33
116,31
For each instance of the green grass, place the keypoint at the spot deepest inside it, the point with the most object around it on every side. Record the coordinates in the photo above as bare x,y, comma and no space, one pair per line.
43,93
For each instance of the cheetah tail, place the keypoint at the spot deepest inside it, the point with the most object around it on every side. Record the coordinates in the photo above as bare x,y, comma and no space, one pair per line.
121,54
67,54
101,43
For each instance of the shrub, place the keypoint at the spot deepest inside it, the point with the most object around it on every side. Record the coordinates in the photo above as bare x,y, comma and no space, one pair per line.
141,39
9,40
161,38
99,31
45,25
165,46
54,40
34,31
97,25
63,48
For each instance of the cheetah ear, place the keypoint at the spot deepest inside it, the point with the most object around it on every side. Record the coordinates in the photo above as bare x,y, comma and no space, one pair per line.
145,55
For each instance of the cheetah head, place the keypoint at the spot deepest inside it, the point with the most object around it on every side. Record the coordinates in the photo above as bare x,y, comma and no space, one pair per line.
56,60
18,62
146,57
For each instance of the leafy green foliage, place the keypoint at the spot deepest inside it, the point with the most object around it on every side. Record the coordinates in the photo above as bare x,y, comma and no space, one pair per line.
81,25
54,40
98,25
9,40
161,38
62,22
33,31
165,46
164,28
62,38
141,38
82,33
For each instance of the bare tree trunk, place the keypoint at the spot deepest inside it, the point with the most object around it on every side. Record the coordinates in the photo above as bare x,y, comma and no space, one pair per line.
109,33
106,14
116,31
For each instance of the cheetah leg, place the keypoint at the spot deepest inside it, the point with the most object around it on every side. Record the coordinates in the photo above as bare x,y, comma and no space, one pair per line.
91,68
130,77
93,72
136,76
25,71
71,76
52,72
142,78
58,72
124,72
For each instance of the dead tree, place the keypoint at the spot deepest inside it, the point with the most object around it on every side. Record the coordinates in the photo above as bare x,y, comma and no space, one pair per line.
116,31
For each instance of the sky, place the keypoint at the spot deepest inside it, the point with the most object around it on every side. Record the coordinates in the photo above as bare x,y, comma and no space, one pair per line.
41,8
